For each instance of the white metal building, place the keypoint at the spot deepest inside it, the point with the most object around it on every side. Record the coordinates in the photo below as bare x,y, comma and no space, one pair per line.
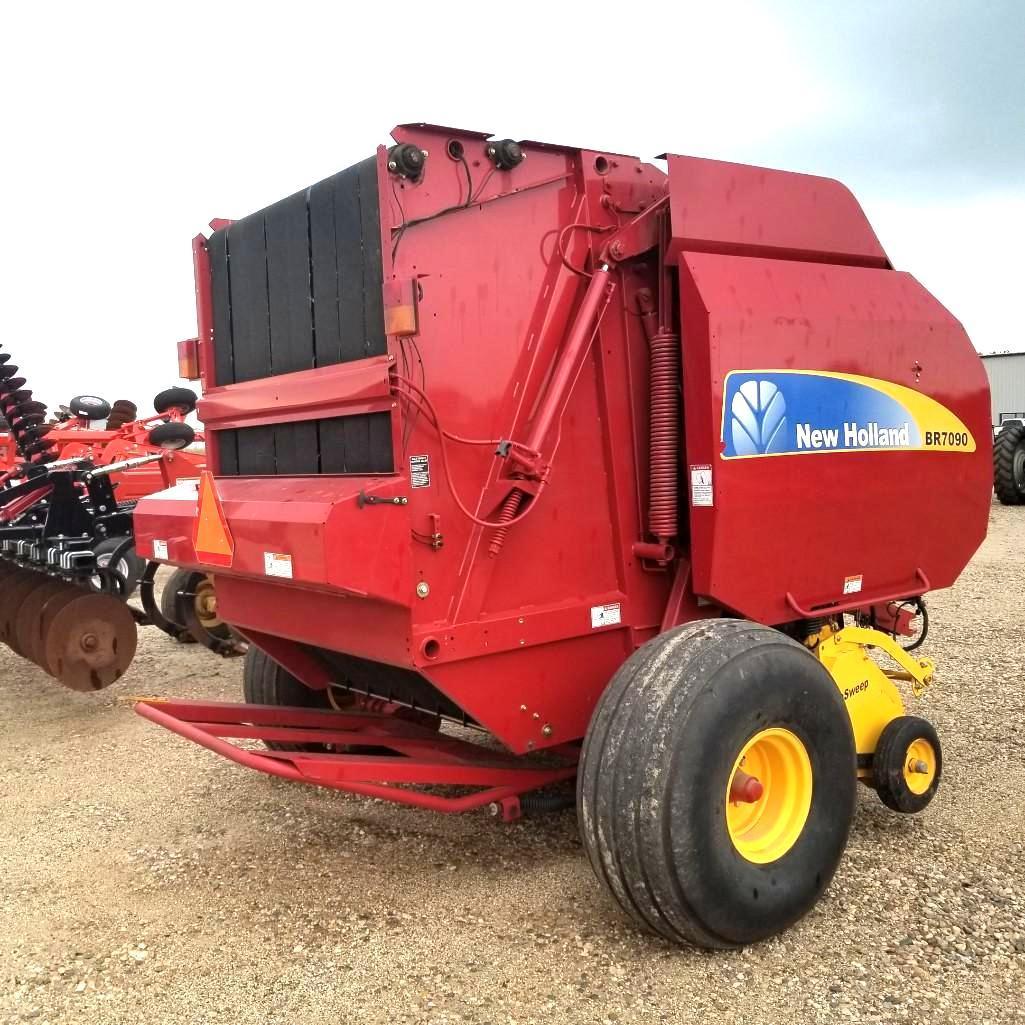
1006,372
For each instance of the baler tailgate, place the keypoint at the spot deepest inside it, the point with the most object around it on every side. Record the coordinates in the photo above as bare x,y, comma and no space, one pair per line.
412,754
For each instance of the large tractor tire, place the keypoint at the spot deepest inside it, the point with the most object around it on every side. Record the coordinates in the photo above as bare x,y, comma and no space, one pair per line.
717,783
1009,464
264,682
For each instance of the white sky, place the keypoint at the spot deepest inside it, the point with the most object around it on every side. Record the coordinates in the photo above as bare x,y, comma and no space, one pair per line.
128,126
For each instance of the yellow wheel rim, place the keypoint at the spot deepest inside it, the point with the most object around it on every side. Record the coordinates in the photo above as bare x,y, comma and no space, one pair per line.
919,766
206,604
763,830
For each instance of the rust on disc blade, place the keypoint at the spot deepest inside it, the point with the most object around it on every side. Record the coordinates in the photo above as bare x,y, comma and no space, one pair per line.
9,570
91,642
12,594
29,599
35,648
26,621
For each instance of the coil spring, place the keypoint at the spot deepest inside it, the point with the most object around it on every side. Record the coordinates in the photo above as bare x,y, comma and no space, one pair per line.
24,415
510,507
665,435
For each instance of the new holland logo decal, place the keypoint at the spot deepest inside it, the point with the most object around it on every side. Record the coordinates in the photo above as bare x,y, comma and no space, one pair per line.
789,412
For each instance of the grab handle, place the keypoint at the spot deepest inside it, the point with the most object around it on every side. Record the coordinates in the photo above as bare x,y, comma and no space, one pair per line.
861,600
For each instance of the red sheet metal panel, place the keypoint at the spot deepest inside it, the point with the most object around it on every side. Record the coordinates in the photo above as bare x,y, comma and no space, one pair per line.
305,531
719,207
817,484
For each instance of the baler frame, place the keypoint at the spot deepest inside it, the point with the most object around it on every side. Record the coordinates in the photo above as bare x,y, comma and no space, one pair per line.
720,277
407,753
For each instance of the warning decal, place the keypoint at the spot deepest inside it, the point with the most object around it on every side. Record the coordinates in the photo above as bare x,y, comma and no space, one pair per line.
277,565
605,615
701,485
419,472
852,585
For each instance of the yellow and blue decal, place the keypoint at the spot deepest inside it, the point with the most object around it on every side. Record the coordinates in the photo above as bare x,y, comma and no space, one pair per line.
790,412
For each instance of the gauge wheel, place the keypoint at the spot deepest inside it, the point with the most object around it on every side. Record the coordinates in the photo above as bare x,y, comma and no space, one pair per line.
129,566
907,764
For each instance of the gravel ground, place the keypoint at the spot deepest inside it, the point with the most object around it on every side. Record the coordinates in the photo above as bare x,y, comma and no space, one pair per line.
145,880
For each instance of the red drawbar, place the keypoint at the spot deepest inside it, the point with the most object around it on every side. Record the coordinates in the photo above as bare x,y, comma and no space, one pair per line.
412,753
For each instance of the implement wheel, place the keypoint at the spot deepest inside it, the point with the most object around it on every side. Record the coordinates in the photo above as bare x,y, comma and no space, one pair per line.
181,583
717,783
907,764
264,682
1009,464
169,602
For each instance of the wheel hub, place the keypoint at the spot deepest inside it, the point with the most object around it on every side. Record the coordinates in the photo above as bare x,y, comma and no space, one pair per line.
206,604
920,766
768,796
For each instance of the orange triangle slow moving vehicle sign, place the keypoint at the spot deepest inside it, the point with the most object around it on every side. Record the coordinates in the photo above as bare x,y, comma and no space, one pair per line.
211,537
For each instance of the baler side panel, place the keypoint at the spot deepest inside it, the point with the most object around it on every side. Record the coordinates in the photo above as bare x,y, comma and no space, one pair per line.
721,207
818,521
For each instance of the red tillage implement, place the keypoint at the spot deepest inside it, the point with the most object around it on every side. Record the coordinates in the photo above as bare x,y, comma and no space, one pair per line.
549,444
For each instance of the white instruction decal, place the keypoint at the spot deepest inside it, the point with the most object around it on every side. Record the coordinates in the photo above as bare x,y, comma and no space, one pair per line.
277,565
159,549
852,585
419,472
701,485
605,615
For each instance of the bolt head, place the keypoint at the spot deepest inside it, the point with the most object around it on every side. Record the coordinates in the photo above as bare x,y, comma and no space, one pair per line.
423,589
547,729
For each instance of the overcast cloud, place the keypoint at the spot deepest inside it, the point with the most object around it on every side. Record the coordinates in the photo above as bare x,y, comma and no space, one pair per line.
127,127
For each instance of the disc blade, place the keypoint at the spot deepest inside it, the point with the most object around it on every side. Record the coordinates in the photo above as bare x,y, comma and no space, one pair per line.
90,642
15,588
33,589
26,623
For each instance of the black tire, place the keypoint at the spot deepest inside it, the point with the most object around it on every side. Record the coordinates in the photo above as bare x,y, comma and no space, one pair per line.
656,763
1009,464
891,757
169,601
130,566
175,398
264,682
90,406
175,435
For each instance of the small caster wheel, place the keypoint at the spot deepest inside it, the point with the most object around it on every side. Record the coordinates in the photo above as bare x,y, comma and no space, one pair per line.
182,399
90,407
907,764
172,436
